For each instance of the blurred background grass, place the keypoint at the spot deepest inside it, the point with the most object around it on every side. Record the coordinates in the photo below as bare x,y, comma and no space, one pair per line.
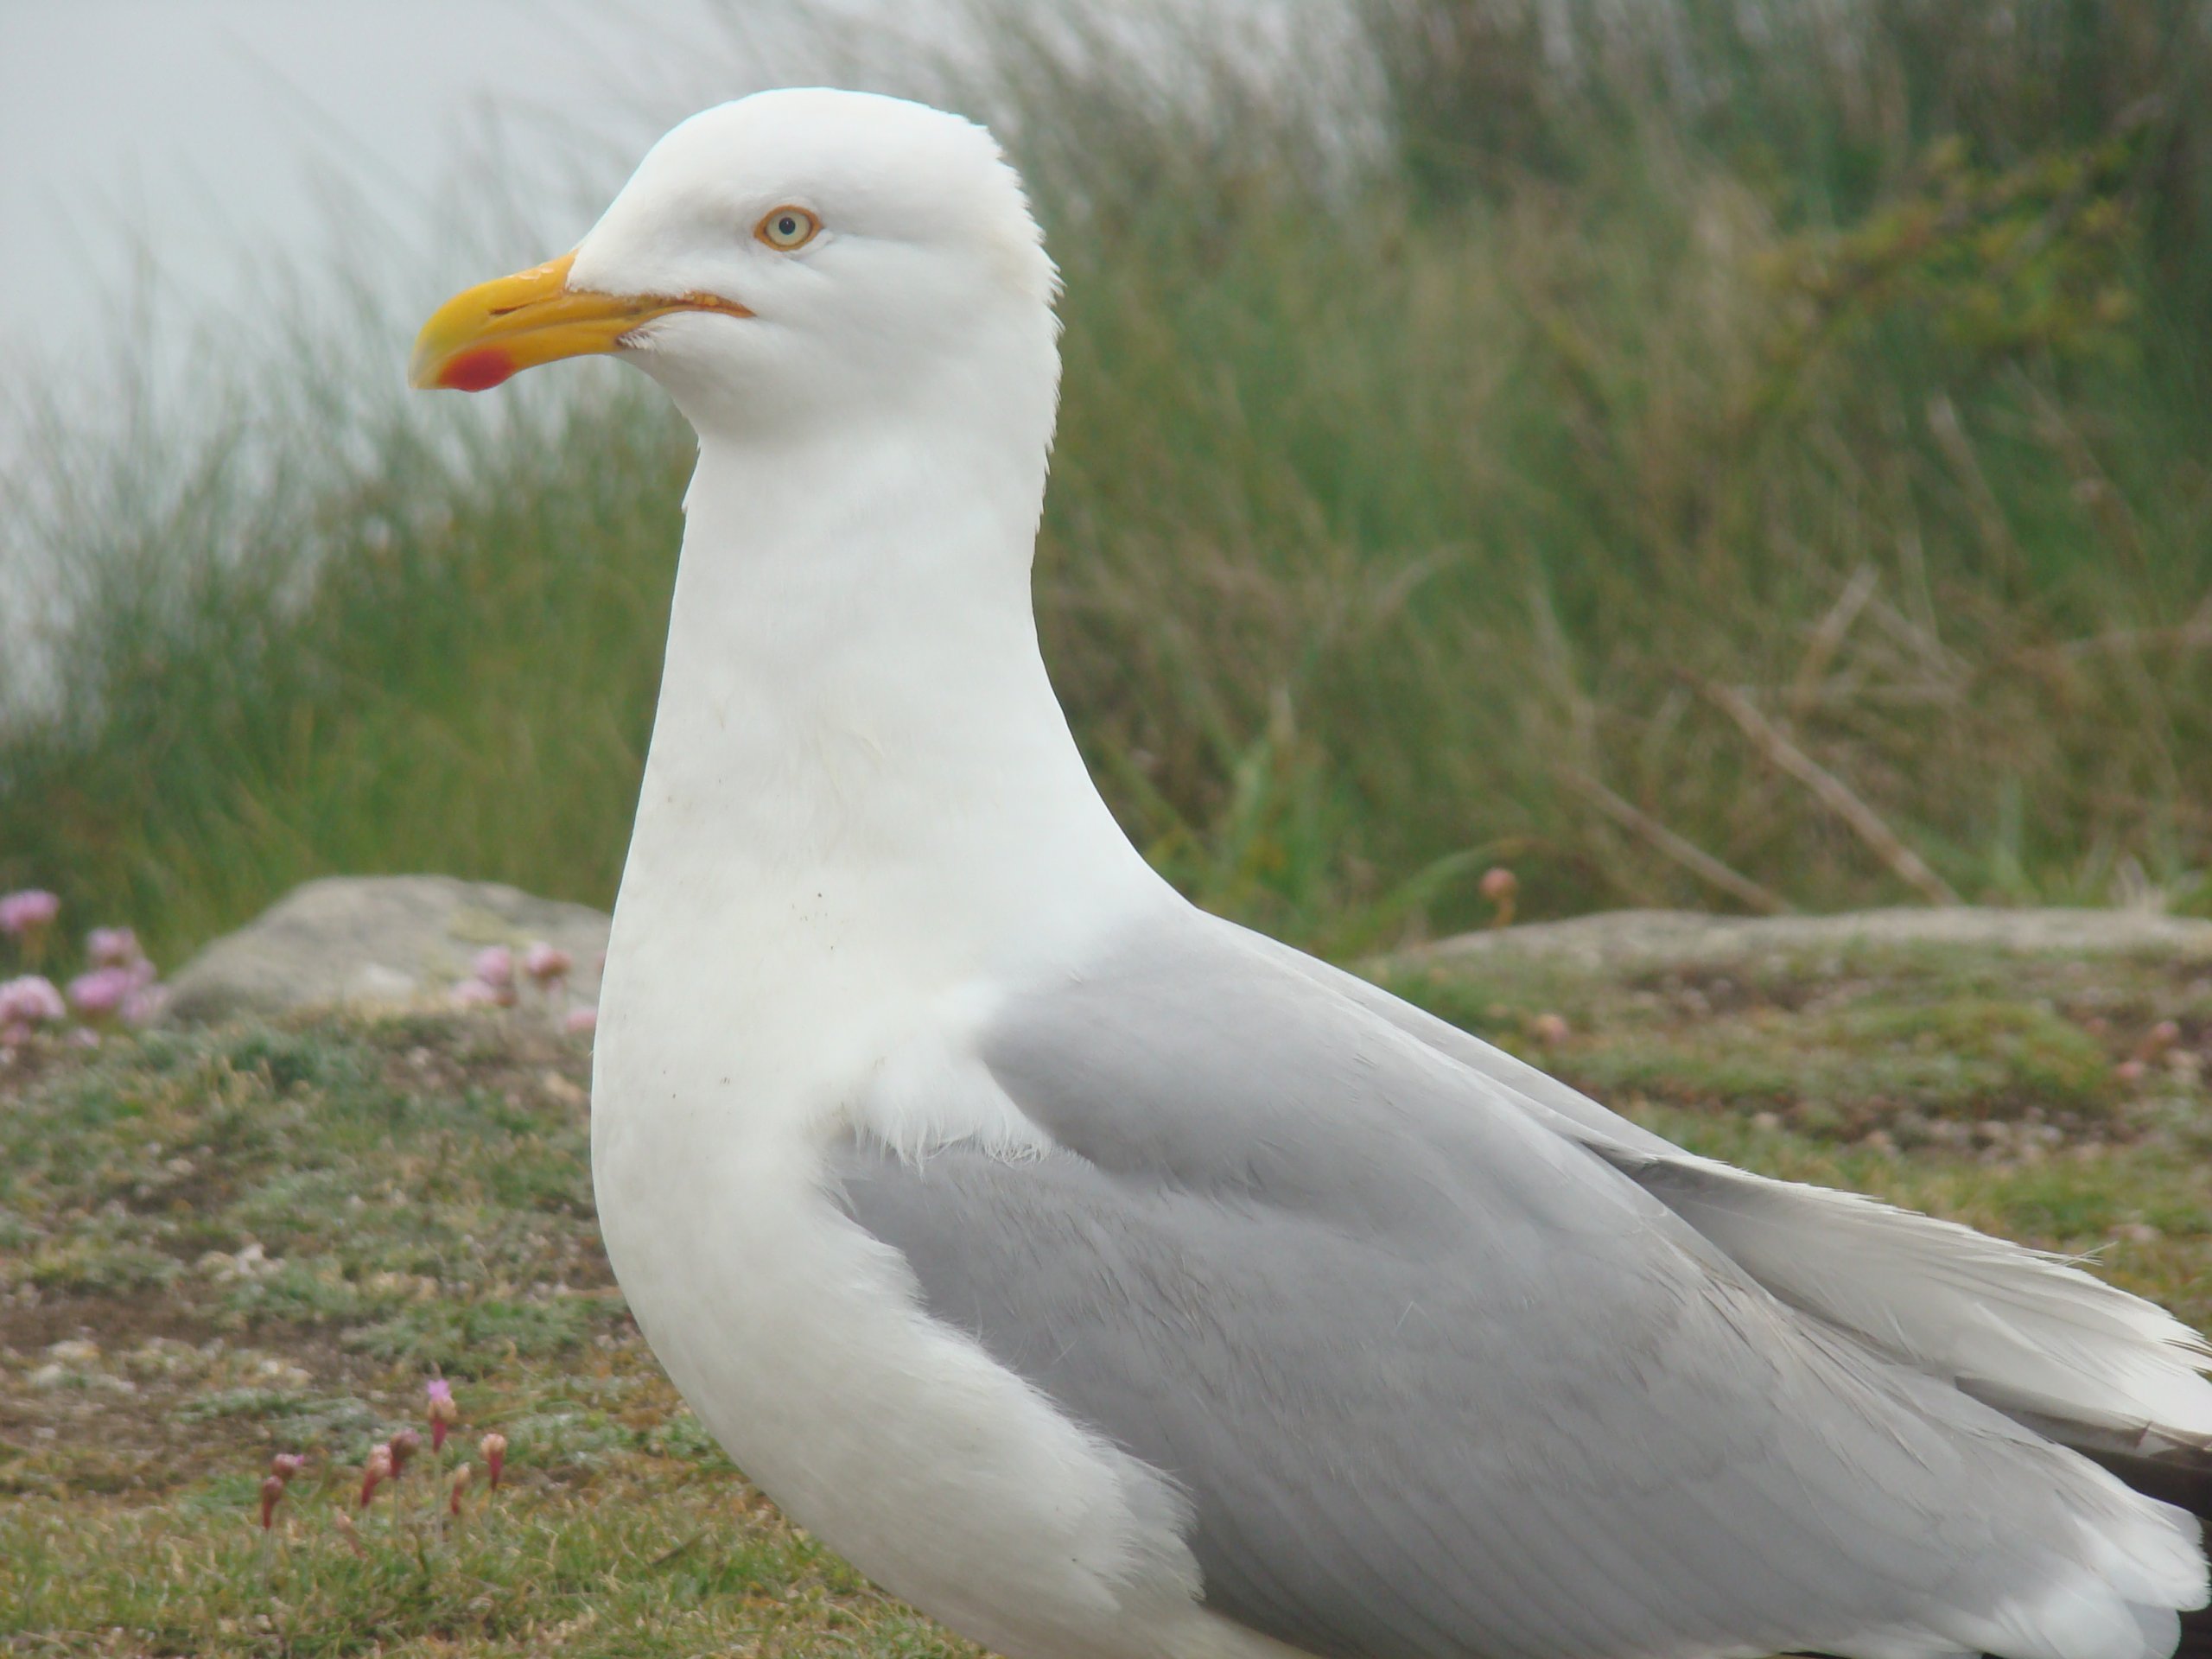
1724,453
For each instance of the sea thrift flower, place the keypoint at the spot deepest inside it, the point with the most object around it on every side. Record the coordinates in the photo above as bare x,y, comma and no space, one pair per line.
494,1448
103,992
113,947
29,913
579,1022
402,1446
286,1465
1499,885
495,966
442,1412
377,1471
547,963
462,1476
475,993
31,1000
272,1489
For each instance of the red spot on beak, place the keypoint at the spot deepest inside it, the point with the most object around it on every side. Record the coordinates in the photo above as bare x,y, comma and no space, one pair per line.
478,371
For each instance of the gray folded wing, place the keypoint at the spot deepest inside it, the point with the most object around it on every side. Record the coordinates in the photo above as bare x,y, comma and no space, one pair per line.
1439,1382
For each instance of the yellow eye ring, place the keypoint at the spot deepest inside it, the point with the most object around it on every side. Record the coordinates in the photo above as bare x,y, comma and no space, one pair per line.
787,229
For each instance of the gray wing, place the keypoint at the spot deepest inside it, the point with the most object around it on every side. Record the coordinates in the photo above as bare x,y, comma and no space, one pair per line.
1439,1382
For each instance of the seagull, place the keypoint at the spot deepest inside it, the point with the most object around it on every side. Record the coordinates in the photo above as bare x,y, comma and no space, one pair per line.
1113,1283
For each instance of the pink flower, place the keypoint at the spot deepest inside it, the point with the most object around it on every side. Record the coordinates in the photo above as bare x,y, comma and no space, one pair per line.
102,992
272,1490
1499,885
579,1022
547,963
402,1446
113,947
377,1471
495,965
461,1479
475,993
443,1412
30,1000
494,1448
286,1465
30,910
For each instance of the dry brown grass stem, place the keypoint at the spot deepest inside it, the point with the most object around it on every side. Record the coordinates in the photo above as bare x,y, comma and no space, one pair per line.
1691,857
2196,634
1832,793
1827,637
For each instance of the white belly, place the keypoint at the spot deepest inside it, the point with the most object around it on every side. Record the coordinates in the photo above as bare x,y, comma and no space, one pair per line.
798,1340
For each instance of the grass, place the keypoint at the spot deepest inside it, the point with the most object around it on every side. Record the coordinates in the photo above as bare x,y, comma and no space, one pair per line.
1571,453
219,1245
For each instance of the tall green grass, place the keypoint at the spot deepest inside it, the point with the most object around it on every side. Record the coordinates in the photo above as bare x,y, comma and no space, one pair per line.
1555,471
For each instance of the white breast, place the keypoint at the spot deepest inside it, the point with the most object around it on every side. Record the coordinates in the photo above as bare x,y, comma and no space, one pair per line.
798,1340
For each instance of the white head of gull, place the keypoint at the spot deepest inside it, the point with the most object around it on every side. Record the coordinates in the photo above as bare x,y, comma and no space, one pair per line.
1115,1283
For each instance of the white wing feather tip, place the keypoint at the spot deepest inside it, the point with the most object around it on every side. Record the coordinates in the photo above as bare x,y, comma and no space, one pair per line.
2023,1329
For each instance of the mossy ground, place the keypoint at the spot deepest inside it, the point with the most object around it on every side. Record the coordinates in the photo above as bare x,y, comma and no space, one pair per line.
216,1246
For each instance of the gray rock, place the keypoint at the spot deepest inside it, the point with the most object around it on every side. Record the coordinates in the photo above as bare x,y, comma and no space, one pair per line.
1635,941
377,941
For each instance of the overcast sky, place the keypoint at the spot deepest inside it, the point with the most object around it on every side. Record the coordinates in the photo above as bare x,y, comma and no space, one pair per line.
238,161
212,136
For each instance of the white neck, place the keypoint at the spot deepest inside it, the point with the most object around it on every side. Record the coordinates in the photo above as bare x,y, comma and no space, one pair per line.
857,750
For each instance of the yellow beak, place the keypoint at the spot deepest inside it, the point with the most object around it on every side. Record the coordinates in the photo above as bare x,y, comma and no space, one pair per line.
483,334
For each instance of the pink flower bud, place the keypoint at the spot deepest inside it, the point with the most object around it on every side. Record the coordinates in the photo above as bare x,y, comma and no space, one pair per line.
546,962
462,1476
494,1448
377,1471
579,1022
286,1465
404,1446
2130,1071
1499,885
442,1411
495,966
1549,1029
113,947
475,993
29,912
272,1491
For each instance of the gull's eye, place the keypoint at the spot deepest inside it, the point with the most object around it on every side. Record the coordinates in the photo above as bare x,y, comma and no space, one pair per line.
787,229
